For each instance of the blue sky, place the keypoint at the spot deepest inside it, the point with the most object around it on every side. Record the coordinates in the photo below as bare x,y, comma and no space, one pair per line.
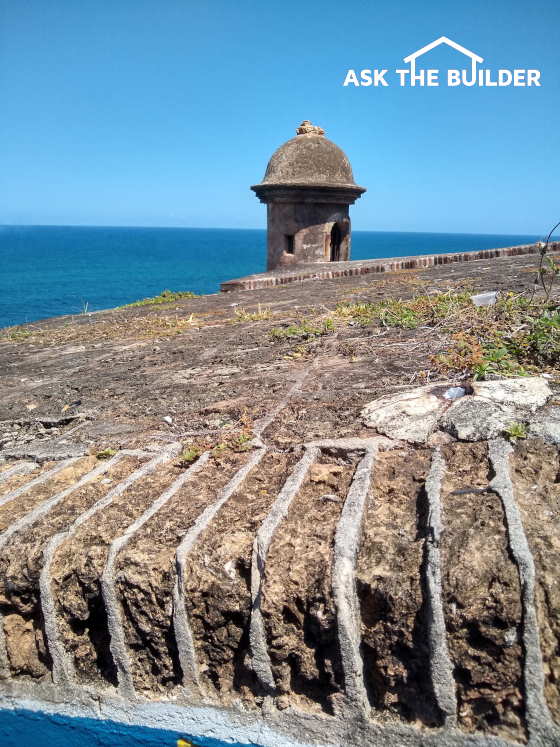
163,112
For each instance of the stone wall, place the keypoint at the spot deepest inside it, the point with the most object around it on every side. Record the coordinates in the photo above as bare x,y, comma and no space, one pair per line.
310,224
328,270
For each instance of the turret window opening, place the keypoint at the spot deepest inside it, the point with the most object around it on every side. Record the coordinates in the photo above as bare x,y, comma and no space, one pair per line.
289,243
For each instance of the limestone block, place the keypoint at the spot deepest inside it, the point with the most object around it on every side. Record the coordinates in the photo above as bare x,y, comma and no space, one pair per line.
407,416
527,391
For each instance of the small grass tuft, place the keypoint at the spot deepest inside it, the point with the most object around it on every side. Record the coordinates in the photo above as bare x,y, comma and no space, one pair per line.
106,453
242,442
362,313
189,455
303,331
165,296
515,431
17,334
395,313
262,312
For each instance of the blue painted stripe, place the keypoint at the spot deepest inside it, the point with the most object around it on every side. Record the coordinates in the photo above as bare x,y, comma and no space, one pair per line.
23,728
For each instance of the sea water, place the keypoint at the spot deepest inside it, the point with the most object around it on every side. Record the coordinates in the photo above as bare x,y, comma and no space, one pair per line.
51,270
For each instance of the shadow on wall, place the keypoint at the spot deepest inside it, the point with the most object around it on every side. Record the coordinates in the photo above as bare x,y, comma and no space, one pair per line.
22,727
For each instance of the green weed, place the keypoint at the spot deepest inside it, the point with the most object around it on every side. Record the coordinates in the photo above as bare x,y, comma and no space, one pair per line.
393,312
515,431
165,296
242,315
514,337
189,455
106,453
17,334
243,442
303,331
363,313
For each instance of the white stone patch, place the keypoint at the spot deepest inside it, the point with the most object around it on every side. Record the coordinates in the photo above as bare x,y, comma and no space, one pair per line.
546,425
528,391
407,416
485,413
477,418
229,569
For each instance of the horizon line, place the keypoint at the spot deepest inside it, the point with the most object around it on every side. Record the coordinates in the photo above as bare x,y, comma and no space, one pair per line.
250,228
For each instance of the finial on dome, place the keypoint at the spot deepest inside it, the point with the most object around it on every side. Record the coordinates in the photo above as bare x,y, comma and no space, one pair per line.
306,128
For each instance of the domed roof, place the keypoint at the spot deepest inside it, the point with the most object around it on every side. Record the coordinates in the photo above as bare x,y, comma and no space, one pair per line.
309,159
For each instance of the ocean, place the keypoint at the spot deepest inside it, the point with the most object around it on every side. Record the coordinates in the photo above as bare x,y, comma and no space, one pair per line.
46,271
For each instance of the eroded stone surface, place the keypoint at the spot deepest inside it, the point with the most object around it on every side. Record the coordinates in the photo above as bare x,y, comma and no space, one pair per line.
19,573
481,593
219,378
217,586
297,605
144,578
12,475
14,509
43,452
496,405
76,571
485,411
389,579
477,418
546,424
537,473
481,597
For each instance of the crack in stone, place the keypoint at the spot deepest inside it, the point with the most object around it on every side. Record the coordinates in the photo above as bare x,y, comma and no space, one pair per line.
262,424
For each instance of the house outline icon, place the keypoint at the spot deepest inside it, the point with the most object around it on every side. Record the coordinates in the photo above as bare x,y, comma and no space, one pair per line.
411,59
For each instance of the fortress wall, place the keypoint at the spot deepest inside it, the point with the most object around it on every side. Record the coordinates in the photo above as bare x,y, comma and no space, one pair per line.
328,270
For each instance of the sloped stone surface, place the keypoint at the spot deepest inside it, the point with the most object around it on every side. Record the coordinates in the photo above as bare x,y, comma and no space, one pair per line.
130,652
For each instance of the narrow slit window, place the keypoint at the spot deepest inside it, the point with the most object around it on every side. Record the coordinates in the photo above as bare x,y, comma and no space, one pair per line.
289,240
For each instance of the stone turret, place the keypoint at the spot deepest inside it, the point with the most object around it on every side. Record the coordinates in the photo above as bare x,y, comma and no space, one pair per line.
308,187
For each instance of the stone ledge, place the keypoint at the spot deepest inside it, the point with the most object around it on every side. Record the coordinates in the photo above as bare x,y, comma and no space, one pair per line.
328,270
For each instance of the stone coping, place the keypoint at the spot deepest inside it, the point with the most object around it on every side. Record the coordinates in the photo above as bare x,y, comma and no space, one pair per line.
328,270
